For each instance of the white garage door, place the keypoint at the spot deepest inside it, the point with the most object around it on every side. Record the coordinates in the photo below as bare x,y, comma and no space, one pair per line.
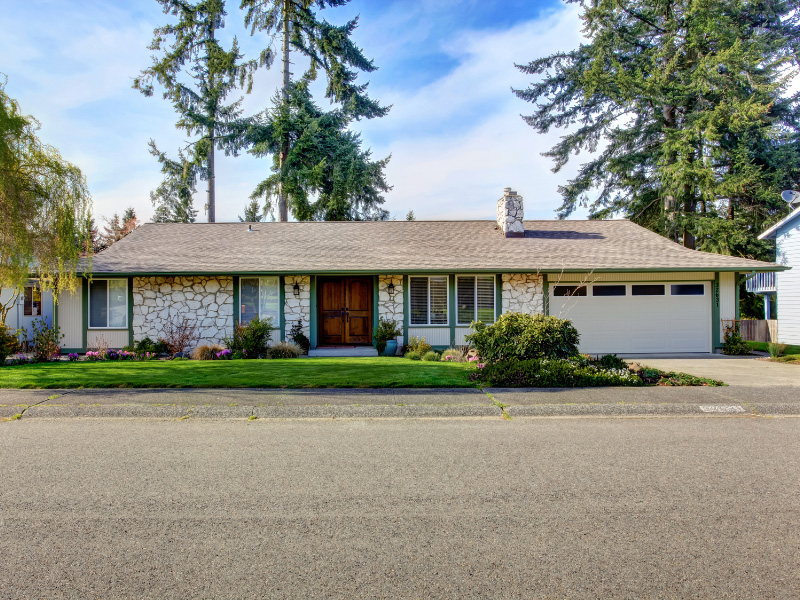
643,317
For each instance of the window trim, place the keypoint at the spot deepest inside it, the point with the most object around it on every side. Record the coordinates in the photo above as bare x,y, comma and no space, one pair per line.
577,287
649,284
108,308
34,287
276,322
494,297
428,296
609,284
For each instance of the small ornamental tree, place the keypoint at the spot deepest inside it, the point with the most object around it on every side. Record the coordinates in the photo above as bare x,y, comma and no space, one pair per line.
44,208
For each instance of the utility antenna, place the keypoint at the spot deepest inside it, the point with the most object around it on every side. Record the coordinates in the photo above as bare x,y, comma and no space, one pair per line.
792,197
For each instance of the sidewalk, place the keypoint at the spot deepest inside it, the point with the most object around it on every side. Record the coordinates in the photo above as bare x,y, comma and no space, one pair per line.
401,403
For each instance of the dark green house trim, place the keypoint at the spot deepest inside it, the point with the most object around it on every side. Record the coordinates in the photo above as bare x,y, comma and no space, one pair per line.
313,306
716,324
84,310
498,296
451,307
374,307
130,311
545,295
406,307
237,307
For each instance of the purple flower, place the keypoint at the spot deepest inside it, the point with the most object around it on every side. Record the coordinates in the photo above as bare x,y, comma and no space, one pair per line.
72,356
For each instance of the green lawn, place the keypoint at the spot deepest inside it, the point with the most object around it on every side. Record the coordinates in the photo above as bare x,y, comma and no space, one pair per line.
764,347
377,372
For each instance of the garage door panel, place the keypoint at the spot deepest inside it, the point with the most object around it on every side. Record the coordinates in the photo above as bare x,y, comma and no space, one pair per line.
641,324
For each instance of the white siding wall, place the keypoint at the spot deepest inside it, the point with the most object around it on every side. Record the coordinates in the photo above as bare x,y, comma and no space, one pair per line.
70,318
727,300
460,333
788,283
114,338
435,336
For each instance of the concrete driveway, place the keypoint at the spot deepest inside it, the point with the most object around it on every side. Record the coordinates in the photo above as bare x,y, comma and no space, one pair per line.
747,371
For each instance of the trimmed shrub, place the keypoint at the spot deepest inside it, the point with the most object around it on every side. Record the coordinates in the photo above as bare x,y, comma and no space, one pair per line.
411,355
44,341
552,373
298,337
252,340
206,352
419,345
9,344
734,344
285,350
524,337
431,356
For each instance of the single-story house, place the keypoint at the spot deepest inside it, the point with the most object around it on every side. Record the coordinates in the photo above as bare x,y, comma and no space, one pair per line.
785,286
626,289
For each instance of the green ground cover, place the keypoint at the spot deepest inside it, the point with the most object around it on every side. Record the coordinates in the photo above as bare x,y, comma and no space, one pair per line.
370,372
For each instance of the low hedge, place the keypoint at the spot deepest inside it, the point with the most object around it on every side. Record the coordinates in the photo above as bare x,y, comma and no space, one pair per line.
553,373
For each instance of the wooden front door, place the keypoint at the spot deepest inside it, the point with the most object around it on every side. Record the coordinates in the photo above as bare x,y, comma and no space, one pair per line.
345,310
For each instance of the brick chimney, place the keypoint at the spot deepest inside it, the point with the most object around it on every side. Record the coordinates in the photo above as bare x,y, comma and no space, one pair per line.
509,214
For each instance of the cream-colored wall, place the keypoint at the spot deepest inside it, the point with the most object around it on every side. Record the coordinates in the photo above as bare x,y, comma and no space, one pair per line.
113,338
70,318
727,299
435,336
460,333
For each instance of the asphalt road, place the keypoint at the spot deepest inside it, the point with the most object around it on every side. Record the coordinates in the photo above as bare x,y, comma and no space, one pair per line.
691,507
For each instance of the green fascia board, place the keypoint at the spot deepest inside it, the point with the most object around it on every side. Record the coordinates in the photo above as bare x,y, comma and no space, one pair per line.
498,296
281,308
237,306
71,350
313,305
768,267
545,295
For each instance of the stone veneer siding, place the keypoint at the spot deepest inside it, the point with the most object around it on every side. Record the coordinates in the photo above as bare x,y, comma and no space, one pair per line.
391,307
208,301
523,292
297,308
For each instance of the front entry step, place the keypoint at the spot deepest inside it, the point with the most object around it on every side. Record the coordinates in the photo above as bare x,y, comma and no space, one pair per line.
344,352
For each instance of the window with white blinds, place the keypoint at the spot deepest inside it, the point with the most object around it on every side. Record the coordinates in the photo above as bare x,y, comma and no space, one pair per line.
428,300
475,299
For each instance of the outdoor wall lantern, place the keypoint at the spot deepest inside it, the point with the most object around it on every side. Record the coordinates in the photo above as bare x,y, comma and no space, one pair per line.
296,290
390,289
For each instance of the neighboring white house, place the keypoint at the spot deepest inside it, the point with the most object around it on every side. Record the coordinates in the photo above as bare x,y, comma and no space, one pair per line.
626,289
31,304
786,234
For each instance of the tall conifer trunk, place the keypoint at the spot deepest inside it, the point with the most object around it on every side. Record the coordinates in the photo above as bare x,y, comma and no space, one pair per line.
212,194
283,214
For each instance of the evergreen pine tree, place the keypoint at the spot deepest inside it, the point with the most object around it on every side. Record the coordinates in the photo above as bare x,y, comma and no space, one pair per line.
173,196
213,73
685,103
252,212
327,48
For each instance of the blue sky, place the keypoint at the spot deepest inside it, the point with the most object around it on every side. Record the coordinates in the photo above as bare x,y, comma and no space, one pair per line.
446,67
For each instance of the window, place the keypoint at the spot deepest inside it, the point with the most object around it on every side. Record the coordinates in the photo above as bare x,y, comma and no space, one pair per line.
688,289
428,300
475,299
647,290
259,297
108,304
608,290
569,290
33,301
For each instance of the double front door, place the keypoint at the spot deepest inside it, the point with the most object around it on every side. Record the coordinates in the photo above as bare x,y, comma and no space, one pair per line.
345,310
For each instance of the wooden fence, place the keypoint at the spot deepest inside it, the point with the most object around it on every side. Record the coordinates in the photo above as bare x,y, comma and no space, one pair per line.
759,330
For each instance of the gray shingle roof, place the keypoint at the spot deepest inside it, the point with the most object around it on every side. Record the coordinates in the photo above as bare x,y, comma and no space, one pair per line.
398,246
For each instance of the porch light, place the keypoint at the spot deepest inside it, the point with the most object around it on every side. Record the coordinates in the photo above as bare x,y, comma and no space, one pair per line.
296,290
390,289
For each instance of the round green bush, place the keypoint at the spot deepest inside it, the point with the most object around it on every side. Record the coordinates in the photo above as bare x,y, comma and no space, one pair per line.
413,355
431,355
524,337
